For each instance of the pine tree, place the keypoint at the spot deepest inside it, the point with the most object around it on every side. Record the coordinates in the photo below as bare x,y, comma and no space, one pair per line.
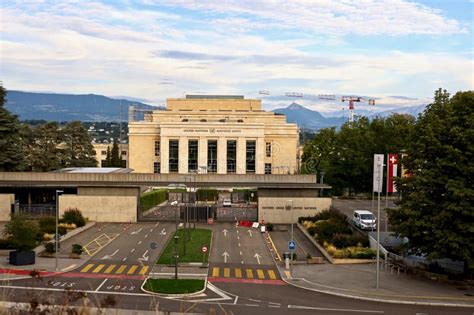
78,149
436,212
115,159
108,158
45,149
12,156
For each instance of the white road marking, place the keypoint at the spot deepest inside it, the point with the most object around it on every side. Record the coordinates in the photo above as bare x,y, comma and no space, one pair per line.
146,235
242,262
151,230
250,304
137,231
100,286
139,242
258,257
253,300
236,299
273,305
124,259
62,290
333,309
145,253
132,250
239,244
225,232
225,254
240,253
238,237
157,224
237,231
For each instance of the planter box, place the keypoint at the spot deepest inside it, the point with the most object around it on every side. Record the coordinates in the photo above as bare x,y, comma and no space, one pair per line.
20,258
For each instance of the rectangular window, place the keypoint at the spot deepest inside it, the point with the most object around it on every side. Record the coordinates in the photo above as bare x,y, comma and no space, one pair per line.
212,156
104,152
124,152
157,168
268,149
192,155
231,156
268,168
157,148
250,156
102,163
124,163
173,155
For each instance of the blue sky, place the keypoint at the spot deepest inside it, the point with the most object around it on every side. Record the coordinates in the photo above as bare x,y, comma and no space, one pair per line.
157,49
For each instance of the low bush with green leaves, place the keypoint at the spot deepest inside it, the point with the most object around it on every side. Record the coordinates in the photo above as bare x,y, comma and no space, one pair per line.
47,224
49,248
74,215
77,249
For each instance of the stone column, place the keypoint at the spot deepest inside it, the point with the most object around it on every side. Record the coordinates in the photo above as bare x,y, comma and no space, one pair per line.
260,156
183,155
164,155
202,152
241,157
221,155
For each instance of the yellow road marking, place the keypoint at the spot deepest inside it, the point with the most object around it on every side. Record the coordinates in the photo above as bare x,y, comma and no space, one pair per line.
98,268
86,268
226,272
144,270
121,269
238,273
215,272
110,268
249,273
132,269
271,274
260,274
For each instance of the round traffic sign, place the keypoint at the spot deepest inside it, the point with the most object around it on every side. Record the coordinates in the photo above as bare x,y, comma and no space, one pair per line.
153,245
204,249
210,221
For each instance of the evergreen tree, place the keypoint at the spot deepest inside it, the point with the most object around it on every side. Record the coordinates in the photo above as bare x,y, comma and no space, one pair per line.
115,159
108,158
436,212
45,148
12,156
78,149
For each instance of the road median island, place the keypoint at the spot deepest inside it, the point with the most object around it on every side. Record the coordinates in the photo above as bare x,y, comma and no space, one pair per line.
174,286
194,245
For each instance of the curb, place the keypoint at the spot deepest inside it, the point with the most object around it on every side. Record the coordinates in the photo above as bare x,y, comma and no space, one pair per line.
174,295
374,299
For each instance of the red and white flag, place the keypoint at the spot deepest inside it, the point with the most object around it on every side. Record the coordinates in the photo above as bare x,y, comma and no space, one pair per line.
392,172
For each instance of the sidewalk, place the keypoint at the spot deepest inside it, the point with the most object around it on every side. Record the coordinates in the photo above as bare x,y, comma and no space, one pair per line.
358,281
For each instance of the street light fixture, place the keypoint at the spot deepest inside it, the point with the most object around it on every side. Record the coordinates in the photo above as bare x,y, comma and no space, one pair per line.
292,235
176,239
56,236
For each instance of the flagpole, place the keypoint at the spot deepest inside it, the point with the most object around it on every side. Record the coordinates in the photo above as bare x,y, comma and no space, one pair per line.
386,189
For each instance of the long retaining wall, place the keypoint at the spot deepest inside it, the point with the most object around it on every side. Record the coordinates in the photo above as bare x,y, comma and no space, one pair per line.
6,201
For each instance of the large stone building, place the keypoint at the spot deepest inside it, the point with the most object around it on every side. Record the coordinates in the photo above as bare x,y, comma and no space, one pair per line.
220,134
101,153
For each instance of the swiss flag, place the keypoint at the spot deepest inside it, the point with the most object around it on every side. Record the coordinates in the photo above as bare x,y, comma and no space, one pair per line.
392,172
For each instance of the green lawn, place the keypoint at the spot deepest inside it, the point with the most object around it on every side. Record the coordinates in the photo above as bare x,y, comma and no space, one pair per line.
172,286
199,238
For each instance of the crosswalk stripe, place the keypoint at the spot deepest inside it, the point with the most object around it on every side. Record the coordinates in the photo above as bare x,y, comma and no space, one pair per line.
110,268
215,272
144,270
260,274
226,272
249,273
121,269
98,268
238,273
132,269
271,274
86,268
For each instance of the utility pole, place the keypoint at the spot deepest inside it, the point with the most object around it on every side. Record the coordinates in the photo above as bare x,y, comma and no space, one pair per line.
56,236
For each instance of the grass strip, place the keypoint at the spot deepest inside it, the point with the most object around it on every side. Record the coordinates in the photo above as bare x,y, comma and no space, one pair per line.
172,286
199,238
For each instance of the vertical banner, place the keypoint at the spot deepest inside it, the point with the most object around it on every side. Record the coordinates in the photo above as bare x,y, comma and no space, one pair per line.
378,172
392,172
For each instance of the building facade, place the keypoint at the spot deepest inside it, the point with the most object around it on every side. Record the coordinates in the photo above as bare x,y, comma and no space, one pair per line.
213,134
101,153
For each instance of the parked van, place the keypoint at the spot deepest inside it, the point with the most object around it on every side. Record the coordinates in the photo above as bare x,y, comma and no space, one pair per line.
364,220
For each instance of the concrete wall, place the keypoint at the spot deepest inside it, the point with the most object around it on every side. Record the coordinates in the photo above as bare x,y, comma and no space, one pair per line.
6,201
108,191
273,209
102,208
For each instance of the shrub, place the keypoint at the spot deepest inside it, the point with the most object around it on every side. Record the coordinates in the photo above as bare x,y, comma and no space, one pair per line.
152,198
62,230
48,224
74,216
22,232
327,229
312,230
269,227
77,249
7,244
207,194
308,256
48,237
346,240
49,247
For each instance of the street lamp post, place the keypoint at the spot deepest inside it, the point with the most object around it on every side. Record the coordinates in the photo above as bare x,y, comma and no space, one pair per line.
56,236
292,235
176,239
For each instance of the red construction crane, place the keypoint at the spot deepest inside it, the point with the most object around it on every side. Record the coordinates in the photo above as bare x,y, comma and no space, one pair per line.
351,101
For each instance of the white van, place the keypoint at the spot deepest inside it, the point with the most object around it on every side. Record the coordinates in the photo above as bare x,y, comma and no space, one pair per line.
364,220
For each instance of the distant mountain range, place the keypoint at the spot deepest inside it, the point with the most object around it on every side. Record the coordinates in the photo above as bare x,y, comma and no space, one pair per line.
69,107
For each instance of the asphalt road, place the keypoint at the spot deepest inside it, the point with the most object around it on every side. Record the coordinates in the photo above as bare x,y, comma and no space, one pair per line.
131,248
347,206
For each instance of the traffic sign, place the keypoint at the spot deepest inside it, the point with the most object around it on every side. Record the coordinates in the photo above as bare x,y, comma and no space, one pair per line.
204,249
210,221
291,245
153,245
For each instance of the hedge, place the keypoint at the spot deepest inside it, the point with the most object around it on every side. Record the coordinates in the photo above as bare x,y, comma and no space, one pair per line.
152,198
207,194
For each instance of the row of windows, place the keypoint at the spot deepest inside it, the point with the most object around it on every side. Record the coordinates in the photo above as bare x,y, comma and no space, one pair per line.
103,152
193,149
193,144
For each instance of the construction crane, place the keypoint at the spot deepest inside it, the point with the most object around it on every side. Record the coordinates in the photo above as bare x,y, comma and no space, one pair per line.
351,101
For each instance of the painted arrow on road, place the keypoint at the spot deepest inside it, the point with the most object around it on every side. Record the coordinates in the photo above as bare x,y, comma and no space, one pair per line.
137,231
225,232
258,257
225,254
250,233
110,256
163,232
143,258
